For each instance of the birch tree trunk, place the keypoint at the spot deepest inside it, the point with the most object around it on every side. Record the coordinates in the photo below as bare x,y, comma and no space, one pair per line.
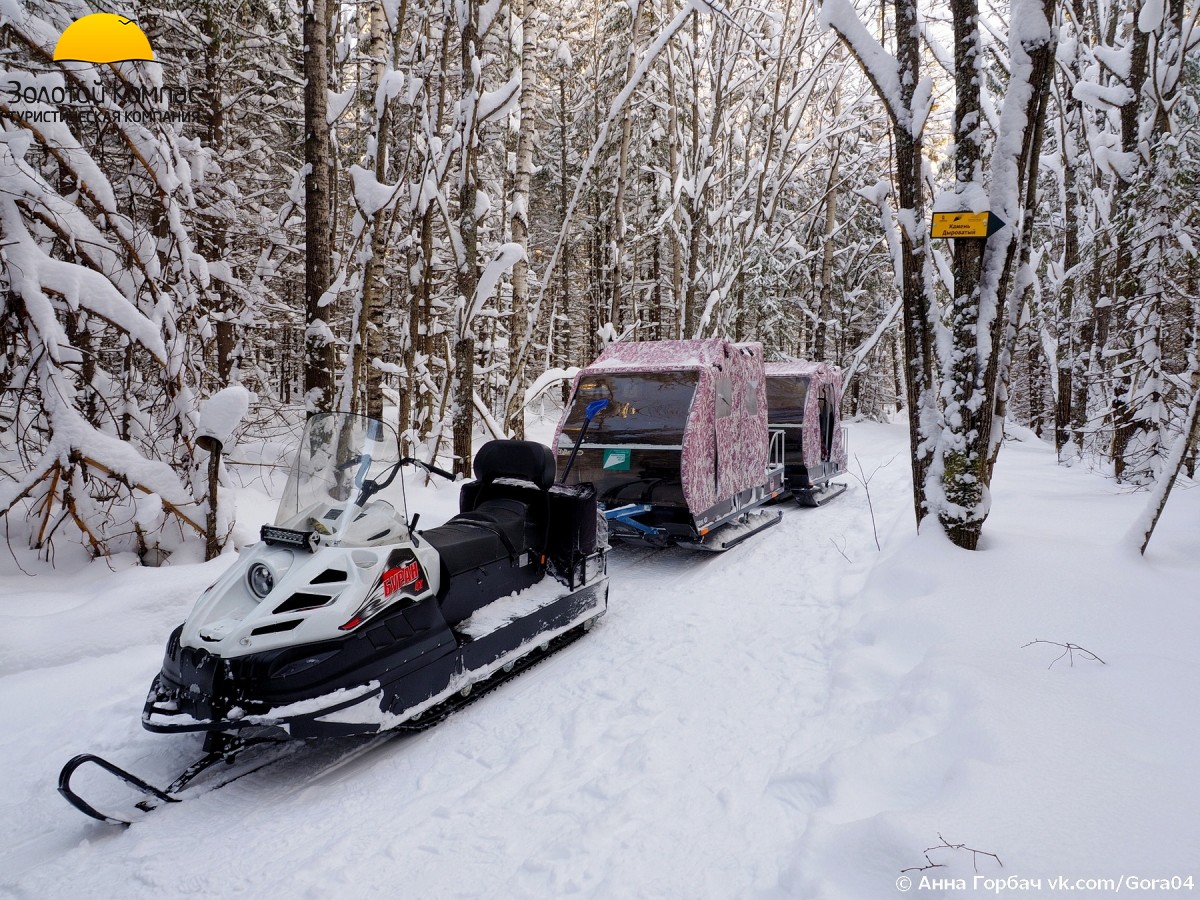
514,423
679,329
468,274
962,444
918,337
1067,356
1186,443
825,280
377,159
618,238
417,403
318,338
1127,281
570,324
217,248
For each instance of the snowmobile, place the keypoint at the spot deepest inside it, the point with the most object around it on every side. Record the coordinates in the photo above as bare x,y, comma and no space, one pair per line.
681,455
803,404
345,619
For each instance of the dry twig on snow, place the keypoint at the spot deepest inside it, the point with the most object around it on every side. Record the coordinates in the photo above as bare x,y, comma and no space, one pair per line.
946,845
1069,651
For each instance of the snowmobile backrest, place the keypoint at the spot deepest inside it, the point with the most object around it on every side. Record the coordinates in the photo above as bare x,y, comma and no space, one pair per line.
522,470
522,460
512,471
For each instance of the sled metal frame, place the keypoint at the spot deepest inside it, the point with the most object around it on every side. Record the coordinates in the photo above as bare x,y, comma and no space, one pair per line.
709,536
624,515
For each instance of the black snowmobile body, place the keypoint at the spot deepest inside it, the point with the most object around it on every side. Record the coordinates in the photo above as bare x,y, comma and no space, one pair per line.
345,620
394,629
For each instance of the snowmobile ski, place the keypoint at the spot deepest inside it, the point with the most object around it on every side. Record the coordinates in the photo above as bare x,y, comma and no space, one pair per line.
156,797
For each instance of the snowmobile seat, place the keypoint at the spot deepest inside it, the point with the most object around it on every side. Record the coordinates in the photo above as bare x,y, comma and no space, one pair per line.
500,533
508,469
466,543
506,521
484,555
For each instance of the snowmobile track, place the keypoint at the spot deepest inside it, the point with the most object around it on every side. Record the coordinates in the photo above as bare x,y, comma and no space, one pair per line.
453,704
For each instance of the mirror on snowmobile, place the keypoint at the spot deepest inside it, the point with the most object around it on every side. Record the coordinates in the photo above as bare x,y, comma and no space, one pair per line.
352,461
372,486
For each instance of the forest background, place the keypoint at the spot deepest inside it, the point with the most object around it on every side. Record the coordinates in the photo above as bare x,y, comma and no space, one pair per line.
445,206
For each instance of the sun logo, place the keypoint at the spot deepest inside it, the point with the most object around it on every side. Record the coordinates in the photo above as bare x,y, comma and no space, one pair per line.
103,38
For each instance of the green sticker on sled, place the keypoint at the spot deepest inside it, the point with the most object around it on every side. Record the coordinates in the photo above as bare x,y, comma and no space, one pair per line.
617,460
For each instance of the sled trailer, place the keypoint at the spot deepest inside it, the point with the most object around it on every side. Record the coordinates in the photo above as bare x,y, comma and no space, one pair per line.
803,411
680,453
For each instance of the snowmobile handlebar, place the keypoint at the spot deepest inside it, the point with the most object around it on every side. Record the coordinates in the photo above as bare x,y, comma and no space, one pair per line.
449,476
373,486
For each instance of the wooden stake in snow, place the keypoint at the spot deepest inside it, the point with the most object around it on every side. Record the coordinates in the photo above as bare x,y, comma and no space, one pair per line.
220,416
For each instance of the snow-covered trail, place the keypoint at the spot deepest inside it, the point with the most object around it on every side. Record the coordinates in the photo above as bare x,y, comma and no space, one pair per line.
645,758
797,718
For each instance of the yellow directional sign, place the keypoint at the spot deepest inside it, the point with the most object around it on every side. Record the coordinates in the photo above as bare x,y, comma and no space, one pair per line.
965,225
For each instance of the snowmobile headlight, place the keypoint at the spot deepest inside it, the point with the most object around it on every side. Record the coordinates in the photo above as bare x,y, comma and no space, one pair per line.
261,580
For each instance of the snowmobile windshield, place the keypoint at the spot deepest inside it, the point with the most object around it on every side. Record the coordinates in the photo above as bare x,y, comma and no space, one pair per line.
336,485
786,396
643,408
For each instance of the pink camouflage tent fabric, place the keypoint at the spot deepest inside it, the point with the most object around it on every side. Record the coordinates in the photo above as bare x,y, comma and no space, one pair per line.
796,392
722,440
